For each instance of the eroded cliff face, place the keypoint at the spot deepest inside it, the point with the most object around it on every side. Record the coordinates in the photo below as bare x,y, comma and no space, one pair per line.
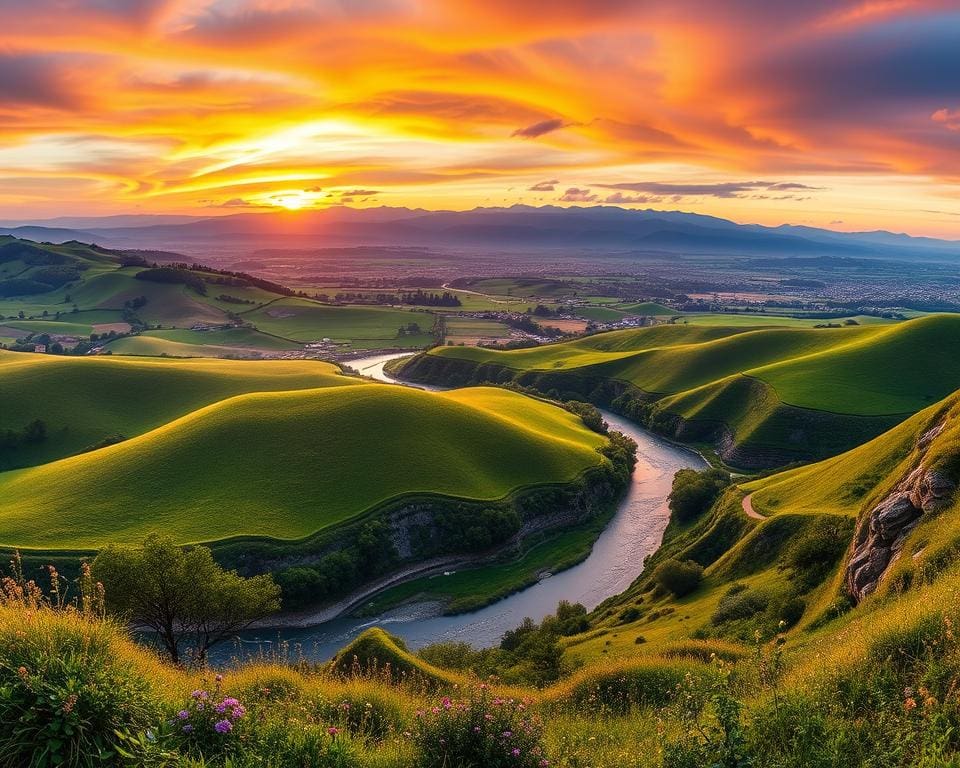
882,532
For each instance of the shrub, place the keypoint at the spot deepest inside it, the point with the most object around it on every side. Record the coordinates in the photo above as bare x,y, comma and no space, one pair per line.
67,696
679,578
739,603
479,732
792,610
694,492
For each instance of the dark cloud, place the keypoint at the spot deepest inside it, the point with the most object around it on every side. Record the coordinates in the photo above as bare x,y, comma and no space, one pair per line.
618,198
40,79
575,195
540,129
360,192
544,186
726,189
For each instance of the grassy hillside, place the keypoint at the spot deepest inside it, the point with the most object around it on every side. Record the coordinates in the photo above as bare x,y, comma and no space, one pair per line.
797,559
83,401
762,396
288,464
303,320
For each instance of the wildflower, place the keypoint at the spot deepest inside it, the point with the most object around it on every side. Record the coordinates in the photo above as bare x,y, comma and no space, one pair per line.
446,702
515,752
507,734
187,729
22,672
238,711
223,726
219,678
910,704
544,763
183,714
198,694
333,730
69,704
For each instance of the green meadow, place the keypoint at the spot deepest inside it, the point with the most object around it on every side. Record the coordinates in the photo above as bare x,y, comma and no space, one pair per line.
289,464
781,394
88,400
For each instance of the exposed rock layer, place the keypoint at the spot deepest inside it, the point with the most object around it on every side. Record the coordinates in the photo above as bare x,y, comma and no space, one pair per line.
882,532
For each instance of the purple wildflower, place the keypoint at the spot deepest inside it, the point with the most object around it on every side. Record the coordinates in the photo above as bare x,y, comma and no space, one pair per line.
223,726
183,714
187,729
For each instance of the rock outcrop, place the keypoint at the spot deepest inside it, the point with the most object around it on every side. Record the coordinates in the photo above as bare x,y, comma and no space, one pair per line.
881,533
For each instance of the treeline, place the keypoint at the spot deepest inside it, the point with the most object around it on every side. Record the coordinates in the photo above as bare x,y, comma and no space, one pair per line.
337,573
530,654
419,298
12,440
186,274
174,275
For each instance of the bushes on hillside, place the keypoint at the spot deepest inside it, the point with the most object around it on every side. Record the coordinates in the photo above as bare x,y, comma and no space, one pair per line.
693,493
530,653
678,578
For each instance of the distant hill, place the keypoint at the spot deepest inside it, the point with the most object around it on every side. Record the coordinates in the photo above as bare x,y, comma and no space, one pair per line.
517,226
760,397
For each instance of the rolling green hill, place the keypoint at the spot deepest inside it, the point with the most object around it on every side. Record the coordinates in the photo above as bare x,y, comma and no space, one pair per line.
763,397
288,464
84,401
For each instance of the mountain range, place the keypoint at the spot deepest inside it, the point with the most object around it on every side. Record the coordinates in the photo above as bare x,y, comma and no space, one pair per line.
519,226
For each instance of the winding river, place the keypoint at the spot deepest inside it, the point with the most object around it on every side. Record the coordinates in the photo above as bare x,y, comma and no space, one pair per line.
615,561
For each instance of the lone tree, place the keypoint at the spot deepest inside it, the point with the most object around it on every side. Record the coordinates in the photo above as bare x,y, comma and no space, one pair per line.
181,594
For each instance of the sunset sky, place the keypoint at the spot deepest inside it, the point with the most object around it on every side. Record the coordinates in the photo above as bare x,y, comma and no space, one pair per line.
822,112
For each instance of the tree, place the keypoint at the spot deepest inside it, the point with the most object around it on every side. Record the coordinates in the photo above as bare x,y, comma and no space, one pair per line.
181,594
694,492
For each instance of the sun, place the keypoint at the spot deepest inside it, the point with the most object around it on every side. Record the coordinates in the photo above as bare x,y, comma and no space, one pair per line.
290,203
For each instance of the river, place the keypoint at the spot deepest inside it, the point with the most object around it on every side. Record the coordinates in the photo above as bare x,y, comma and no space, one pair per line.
615,561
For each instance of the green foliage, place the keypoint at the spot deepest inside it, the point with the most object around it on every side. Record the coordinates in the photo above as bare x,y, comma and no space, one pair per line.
69,694
529,654
182,595
479,731
679,578
174,275
693,492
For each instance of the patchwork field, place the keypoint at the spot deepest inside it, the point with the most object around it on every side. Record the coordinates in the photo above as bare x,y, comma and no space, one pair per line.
98,291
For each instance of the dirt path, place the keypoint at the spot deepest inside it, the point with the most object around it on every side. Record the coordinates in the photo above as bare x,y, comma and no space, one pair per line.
748,508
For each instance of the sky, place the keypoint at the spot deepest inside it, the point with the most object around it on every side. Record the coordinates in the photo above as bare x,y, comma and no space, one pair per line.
835,113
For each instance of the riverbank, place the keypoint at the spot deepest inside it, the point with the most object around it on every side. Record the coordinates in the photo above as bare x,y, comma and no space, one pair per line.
615,560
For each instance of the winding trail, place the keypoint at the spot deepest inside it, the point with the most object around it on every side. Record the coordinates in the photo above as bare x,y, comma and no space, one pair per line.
748,508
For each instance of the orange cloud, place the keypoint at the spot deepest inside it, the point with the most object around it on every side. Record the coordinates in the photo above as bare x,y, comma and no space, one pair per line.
164,103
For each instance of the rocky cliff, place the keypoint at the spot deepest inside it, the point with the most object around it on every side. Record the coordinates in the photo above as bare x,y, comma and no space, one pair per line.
882,532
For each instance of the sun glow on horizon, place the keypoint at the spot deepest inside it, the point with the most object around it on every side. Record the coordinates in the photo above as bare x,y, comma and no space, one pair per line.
260,104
